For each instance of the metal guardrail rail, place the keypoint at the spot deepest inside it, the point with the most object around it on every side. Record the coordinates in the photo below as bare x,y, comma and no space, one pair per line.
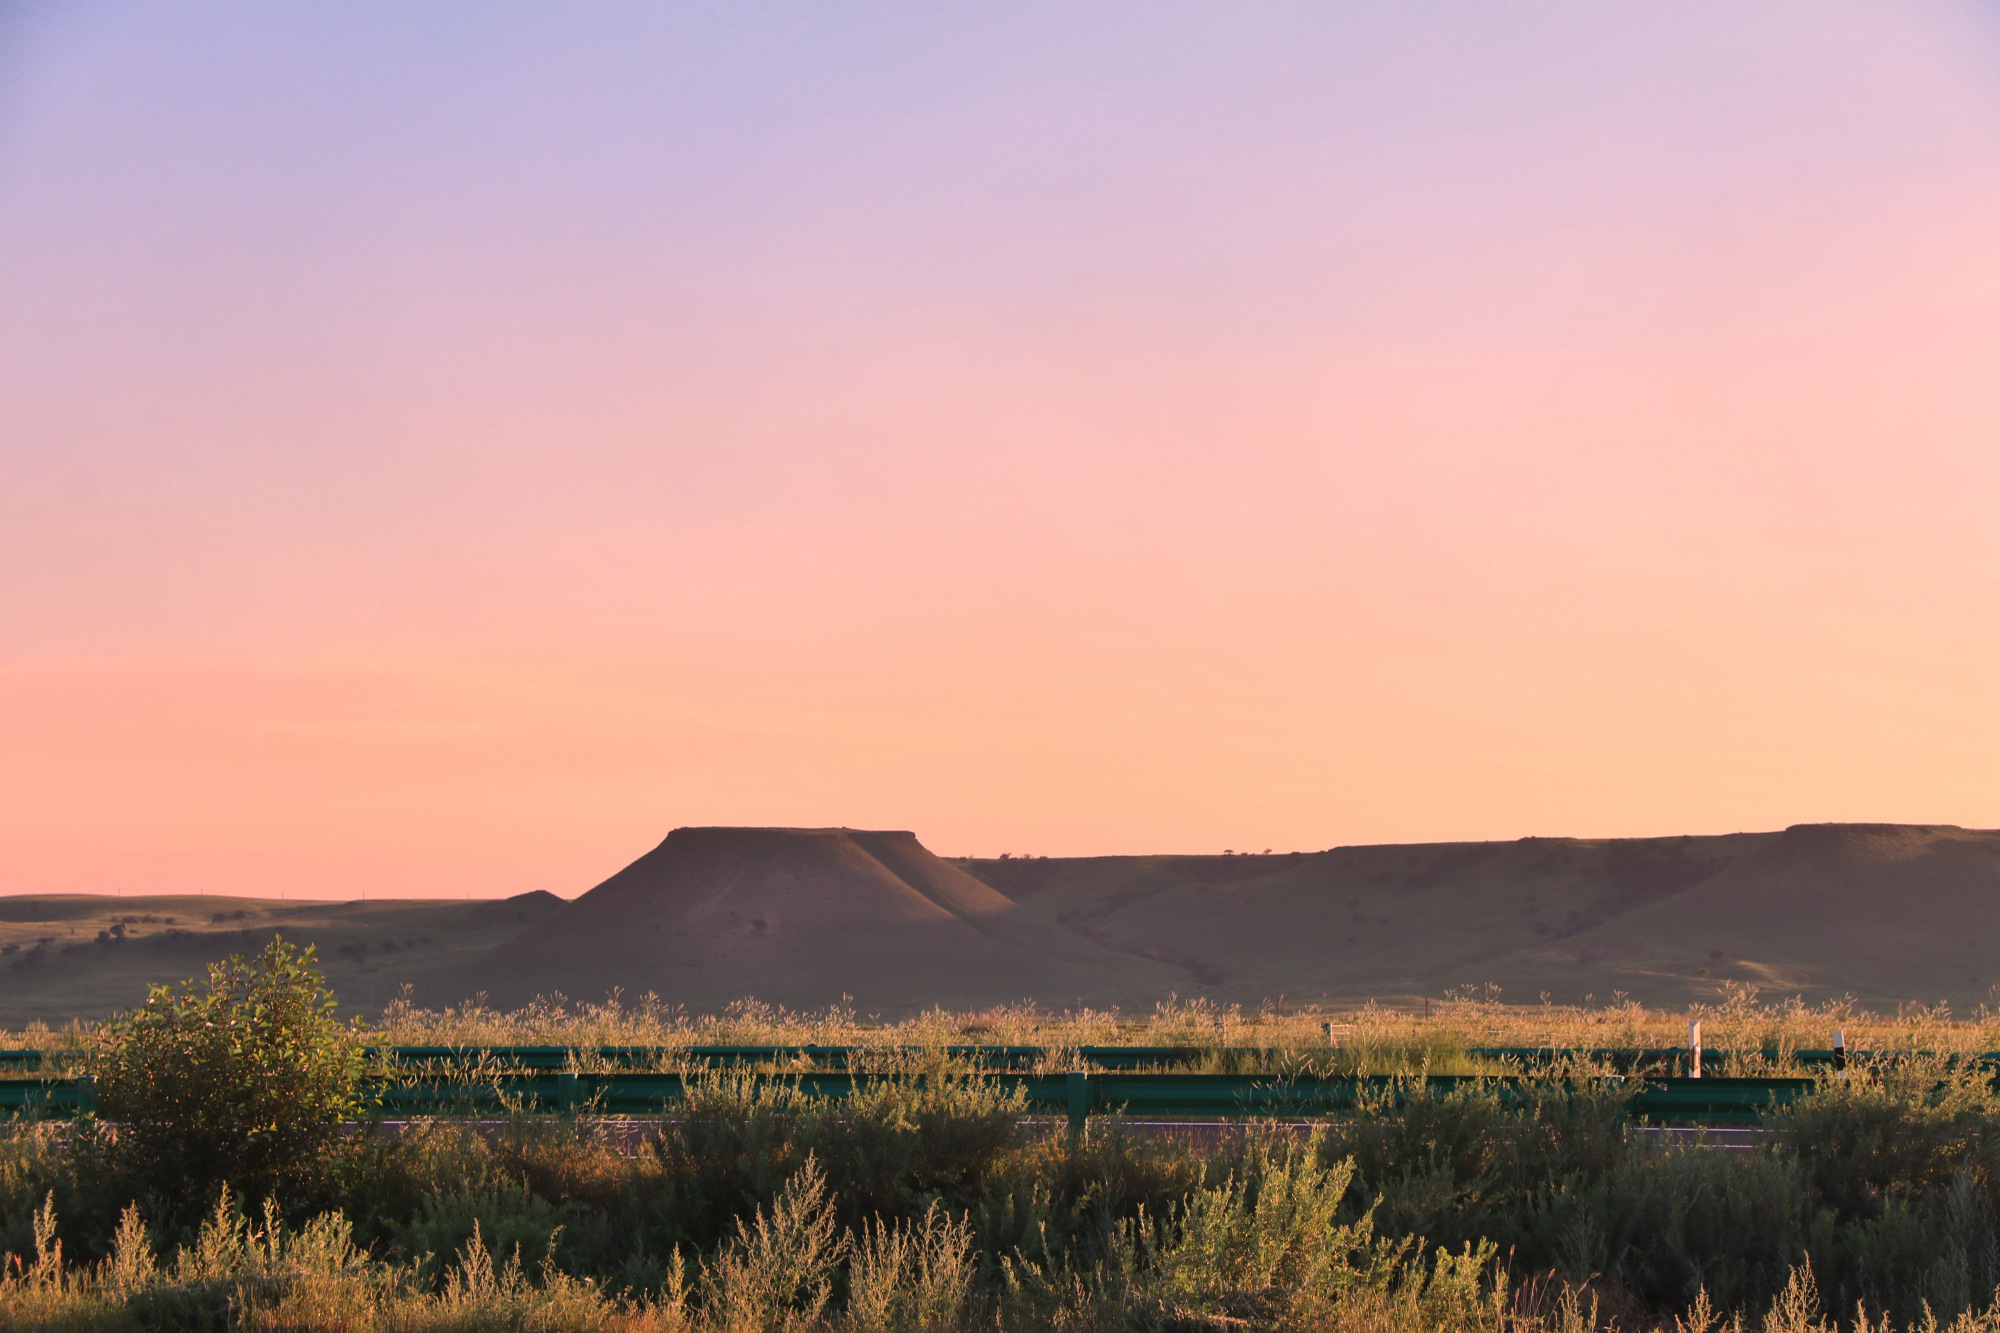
1661,1058
1076,1096
710,1057
736,1057
1105,1058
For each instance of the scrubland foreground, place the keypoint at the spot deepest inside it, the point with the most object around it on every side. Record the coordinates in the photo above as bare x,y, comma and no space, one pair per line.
932,1207
220,1192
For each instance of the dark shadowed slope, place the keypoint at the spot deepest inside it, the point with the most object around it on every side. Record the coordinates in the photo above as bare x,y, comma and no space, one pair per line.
73,955
1887,913
801,917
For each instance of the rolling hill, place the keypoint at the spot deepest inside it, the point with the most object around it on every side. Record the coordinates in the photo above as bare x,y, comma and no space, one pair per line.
1886,913
803,917
68,956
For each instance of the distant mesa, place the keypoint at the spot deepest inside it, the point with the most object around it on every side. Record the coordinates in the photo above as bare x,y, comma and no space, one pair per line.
805,917
1885,913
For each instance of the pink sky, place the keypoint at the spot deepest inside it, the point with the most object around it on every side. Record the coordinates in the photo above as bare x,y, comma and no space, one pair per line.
439,455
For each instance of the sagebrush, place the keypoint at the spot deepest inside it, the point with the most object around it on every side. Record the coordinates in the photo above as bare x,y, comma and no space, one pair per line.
933,1202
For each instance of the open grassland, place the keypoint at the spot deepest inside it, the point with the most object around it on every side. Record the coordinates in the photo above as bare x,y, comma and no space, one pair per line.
1394,1039
1445,1037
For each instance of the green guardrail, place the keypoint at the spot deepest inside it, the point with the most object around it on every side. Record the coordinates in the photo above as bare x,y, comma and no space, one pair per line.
1661,1059
53,1098
1075,1096
728,1057
711,1057
1624,1060
555,1058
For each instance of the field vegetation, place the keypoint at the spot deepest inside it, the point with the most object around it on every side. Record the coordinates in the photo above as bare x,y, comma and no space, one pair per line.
1440,1037
937,1204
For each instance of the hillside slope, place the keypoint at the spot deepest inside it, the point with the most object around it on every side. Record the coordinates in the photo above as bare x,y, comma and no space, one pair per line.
803,917
66,956
1887,913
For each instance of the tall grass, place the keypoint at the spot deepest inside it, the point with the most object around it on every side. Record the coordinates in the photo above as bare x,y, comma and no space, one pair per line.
934,1203
1441,1029
930,1205
1439,1036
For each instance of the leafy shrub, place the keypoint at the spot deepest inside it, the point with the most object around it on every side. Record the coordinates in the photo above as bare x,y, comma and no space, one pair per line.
1471,1162
776,1273
931,1203
1063,1200
910,1277
242,1079
890,1151
1894,1130
424,1191
1265,1247
1674,1221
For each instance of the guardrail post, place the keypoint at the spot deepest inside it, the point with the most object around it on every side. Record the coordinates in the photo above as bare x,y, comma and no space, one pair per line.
1080,1099
566,1093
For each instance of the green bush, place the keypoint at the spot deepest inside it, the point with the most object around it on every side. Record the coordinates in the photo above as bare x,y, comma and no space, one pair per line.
888,1152
1892,1132
934,1202
1478,1161
242,1079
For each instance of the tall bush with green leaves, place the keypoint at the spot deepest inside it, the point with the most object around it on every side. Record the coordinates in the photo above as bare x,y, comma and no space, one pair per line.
241,1079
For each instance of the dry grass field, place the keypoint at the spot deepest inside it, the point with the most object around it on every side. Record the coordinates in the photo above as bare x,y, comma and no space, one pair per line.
1440,1037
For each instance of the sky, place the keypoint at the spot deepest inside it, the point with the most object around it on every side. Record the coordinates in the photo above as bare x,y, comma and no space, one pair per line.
445,447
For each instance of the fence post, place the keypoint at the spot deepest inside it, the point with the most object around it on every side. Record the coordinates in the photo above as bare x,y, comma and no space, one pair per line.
1694,1049
1079,1100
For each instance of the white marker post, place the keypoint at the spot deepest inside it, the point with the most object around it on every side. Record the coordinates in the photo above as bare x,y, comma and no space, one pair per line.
1840,1054
1694,1050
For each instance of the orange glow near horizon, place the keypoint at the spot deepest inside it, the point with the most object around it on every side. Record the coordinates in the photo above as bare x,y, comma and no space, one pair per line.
438,461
